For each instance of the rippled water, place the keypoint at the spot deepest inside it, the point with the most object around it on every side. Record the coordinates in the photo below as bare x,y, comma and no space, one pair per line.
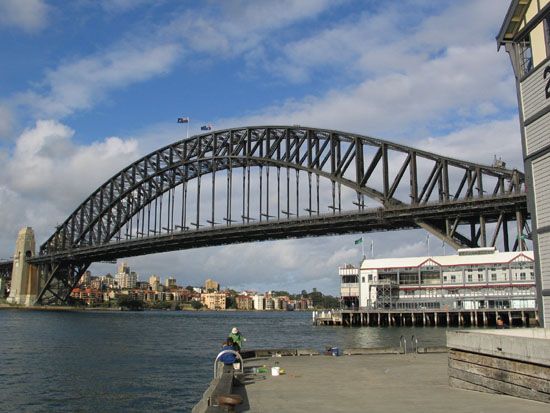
144,361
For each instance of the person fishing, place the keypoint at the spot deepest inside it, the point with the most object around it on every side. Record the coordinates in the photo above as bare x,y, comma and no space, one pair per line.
228,358
237,338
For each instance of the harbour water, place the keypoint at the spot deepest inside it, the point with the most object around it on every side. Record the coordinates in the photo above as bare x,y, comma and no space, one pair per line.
145,361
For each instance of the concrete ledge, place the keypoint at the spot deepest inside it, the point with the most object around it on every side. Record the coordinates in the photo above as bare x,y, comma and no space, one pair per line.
528,345
218,386
373,350
512,362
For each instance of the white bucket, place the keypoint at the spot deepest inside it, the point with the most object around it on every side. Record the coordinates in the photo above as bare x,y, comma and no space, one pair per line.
275,371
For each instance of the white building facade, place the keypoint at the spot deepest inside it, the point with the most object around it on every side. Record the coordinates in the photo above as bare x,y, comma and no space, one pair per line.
259,302
476,278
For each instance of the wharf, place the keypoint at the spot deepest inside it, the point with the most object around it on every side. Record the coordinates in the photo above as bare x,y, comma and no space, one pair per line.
374,383
426,317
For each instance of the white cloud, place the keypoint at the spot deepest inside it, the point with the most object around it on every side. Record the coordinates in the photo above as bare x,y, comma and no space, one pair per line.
82,83
27,15
406,106
123,6
480,143
48,165
235,27
6,121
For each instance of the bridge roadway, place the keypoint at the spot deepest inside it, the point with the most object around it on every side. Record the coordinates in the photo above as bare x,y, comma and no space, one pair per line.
368,220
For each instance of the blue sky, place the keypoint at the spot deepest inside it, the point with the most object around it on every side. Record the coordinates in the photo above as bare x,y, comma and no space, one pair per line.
88,86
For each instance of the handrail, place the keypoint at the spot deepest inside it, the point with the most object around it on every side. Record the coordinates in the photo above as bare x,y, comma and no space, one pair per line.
414,343
403,344
221,353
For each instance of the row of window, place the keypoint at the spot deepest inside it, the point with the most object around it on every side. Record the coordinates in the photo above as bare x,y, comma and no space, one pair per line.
526,52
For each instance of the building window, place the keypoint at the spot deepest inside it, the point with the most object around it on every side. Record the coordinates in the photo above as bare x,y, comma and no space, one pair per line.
522,276
453,278
547,34
480,277
444,278
525,55
363,278
470,278
370,278
493,277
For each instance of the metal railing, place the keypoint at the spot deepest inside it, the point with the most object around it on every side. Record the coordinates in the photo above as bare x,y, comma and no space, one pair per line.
414,344
403,344
221,353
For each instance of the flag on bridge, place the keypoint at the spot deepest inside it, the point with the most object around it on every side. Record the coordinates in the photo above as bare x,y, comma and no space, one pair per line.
183,120
206,127
359,241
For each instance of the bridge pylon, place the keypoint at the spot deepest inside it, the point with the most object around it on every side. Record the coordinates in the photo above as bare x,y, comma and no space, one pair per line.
24,277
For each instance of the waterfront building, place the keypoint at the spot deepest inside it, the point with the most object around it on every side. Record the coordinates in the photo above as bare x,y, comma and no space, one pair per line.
96,283
244,302
86,278
475,278
211,285
154,282
525,34
123,267
269,305
89,296
143,285
259,302
349,286
170,282
124,277
108,281
214,301
278,303
126,280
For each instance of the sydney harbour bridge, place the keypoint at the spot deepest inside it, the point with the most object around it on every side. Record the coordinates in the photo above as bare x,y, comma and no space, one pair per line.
275,182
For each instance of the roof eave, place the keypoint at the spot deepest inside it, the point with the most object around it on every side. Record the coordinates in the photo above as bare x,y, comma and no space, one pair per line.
512,21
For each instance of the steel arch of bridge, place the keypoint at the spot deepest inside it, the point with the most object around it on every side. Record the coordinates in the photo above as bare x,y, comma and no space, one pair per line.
439,194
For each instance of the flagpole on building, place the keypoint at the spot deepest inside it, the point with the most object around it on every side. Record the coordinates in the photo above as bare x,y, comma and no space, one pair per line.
372,248
428,243
363,248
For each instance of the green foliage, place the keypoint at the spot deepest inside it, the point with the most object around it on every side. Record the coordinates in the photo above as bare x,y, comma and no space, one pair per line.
161,305
197,305
189,288
280,293
319,300
130,303
231,302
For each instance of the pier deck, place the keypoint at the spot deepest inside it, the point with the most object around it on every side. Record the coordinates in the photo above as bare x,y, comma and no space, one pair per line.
371,383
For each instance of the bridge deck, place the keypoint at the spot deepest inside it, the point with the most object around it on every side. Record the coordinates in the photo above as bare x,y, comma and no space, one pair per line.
374,383
377,219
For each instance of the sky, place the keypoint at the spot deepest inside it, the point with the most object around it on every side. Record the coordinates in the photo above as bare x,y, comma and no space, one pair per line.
87,87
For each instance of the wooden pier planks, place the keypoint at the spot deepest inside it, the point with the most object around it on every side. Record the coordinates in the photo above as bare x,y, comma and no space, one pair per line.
491,374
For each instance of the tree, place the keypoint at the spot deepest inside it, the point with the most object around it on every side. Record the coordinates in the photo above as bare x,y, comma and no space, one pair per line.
125,301
197,305
280,293
190,288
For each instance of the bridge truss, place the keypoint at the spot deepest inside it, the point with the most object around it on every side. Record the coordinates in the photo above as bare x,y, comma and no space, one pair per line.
275,182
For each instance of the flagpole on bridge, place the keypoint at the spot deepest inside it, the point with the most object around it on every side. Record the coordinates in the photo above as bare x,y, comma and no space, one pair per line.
185,120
